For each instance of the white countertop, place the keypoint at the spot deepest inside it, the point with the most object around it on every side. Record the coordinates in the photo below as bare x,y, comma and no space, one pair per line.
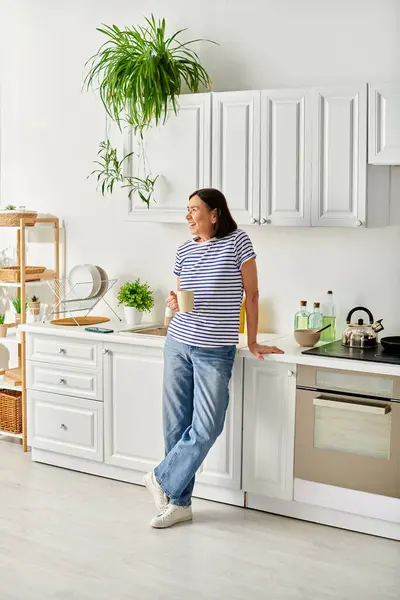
293,352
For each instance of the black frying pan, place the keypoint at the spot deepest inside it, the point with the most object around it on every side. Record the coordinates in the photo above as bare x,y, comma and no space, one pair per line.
391,344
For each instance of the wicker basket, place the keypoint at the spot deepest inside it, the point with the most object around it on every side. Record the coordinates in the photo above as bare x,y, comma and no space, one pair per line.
13,275
10,411
12,218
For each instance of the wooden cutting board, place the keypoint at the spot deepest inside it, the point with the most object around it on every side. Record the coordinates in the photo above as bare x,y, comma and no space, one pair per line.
13,376
81,321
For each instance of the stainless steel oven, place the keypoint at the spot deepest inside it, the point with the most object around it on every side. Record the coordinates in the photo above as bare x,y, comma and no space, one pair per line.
348,430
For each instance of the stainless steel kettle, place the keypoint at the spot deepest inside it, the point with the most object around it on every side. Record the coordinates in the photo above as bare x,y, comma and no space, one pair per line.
360,335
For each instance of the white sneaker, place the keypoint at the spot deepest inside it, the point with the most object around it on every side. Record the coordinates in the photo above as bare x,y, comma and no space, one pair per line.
172,515
160,498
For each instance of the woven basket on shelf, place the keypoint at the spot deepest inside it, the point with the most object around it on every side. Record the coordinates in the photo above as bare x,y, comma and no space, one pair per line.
11,411
12,274
12,218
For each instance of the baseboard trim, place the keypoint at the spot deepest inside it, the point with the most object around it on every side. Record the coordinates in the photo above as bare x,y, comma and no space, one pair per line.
286,508
324,516
201,490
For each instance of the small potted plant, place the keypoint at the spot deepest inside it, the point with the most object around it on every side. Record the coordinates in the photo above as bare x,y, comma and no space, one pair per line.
137,298
3,328
34,305
17,304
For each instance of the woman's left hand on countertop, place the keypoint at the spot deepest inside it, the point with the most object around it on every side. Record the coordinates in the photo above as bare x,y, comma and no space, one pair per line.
259,350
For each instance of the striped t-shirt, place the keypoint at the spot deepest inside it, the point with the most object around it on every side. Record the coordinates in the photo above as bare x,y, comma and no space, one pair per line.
212,270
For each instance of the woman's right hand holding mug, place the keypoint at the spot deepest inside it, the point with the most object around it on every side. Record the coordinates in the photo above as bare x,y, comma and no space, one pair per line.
172,301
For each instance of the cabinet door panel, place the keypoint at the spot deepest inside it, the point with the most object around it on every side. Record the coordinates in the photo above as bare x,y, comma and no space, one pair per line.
179,151
236,152
339,156
133,407
72,426
384,124
285,157
268,429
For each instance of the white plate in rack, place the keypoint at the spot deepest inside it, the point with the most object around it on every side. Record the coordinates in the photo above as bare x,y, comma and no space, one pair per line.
85,281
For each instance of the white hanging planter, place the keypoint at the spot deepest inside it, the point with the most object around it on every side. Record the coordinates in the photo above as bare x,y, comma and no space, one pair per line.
132,315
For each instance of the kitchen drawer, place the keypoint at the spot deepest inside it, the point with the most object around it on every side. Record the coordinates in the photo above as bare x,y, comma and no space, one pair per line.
64,380
64,351
66,425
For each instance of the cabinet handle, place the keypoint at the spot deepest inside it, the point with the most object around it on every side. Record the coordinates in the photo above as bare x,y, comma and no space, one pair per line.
253,221
358,223
62,380
265,221
106,351
354,406
63,426
61,351
290,373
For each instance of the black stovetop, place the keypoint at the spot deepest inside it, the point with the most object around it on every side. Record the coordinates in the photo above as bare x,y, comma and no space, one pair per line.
336,350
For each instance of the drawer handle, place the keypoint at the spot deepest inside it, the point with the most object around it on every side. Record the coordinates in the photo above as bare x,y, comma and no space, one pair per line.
61,351
365,408
63,426
63,381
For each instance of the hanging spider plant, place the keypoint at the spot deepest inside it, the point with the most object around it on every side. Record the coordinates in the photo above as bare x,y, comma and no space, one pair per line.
110,169
140,72
143,187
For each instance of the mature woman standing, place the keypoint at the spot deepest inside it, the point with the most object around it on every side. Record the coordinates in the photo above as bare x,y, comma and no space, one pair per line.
218,264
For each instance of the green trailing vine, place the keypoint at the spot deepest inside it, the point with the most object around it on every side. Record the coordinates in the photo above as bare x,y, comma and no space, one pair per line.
110,169
139,72
144,188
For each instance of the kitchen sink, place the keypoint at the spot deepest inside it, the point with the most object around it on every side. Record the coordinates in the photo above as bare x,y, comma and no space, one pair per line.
159,331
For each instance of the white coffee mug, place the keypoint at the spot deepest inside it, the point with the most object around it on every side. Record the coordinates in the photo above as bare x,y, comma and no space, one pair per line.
185,300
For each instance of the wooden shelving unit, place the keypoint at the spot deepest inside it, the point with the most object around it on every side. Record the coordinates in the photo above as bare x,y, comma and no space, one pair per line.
21,286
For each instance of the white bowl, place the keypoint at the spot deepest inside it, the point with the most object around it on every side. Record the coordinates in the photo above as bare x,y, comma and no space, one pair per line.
85,281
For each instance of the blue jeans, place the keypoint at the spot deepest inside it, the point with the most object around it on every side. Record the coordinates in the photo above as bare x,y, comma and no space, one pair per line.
195,399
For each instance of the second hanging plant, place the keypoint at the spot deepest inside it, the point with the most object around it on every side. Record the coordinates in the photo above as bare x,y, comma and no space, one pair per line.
139,72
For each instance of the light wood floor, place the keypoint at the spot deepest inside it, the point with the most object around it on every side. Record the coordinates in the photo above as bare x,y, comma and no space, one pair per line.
69,536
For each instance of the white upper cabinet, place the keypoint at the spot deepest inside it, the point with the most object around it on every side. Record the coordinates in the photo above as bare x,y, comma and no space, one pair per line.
294,157
339,161
384,124
180,153
285,157
236,152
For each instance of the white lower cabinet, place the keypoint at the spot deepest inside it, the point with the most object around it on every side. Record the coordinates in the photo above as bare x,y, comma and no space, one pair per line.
268,432
133,378
133,406
223,465
72,426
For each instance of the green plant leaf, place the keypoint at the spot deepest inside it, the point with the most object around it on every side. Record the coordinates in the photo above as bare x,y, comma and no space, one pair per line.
137,295
139,72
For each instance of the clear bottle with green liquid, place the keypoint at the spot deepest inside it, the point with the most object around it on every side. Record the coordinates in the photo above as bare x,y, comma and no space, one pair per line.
329,318
315,319
301,317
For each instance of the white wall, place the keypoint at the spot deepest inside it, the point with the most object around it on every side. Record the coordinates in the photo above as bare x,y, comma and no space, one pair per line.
50,131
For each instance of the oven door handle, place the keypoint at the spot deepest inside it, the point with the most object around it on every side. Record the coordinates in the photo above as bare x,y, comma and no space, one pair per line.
354,406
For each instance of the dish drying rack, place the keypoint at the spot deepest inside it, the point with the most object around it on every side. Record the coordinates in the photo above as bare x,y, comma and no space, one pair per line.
72,298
